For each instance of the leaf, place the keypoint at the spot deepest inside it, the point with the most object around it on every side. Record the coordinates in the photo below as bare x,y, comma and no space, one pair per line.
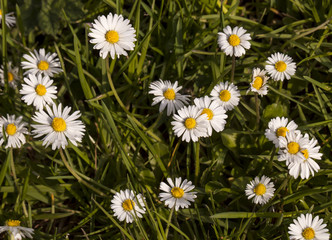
275,110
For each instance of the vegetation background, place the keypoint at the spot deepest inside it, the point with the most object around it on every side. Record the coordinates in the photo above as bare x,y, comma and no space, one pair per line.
129,144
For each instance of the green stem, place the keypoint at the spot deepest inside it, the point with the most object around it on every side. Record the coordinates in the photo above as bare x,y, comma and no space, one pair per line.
197,164
280,88
233,68
4,43
169,221
257,111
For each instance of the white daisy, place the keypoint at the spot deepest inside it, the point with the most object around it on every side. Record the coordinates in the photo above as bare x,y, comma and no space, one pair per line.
280,66
41,63
177,194
167,95
234,42
38,91
112,34
125,206
9,18
58,126
259,82
261,190
308,165
227,95
306,228
12,73
15,230
14,131
216,114
279,127
190,123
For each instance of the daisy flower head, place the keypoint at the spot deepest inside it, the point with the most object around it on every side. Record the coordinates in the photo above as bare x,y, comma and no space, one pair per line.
112,34
259,82
306,228
57,126
279,127
216,114
190,123
280,66
234,42
177,195
167,95
127,205
12,73
9,18
260,189
15,230
41,63
38,91
227,95
14,129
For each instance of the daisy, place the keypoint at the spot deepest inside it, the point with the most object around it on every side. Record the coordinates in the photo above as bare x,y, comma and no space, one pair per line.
216,113
125,206
167,95
177,194
38,91
112,34
227,95
14,131
279,127
261,190
308,165
12,73
190,123
280,66
41,63
10,19
306,228
259,82
234,42
58,126
15,230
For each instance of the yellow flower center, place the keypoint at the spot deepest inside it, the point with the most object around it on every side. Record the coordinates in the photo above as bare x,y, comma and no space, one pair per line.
190,123
234,40
128,204
280,66
0,12
258,82
58,124
40,90
208,112
169,94
224,95
305,153
112,36
282,131
260,189
43,65
11,129
10,75
177,192
293,147
13,223
308,233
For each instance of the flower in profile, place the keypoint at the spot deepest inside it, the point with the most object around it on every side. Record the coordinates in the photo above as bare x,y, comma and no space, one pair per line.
12,73
259,82
177,195
38,91
126,205
306,228
14,129
41,63
190,123
112,34
167,95
216,114
10,19
261,190
57,126
279,127
280,66
227,95
234,42
15,230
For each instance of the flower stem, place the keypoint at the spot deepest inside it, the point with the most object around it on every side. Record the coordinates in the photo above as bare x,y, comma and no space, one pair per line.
169,221
233,68
197,166
257,111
